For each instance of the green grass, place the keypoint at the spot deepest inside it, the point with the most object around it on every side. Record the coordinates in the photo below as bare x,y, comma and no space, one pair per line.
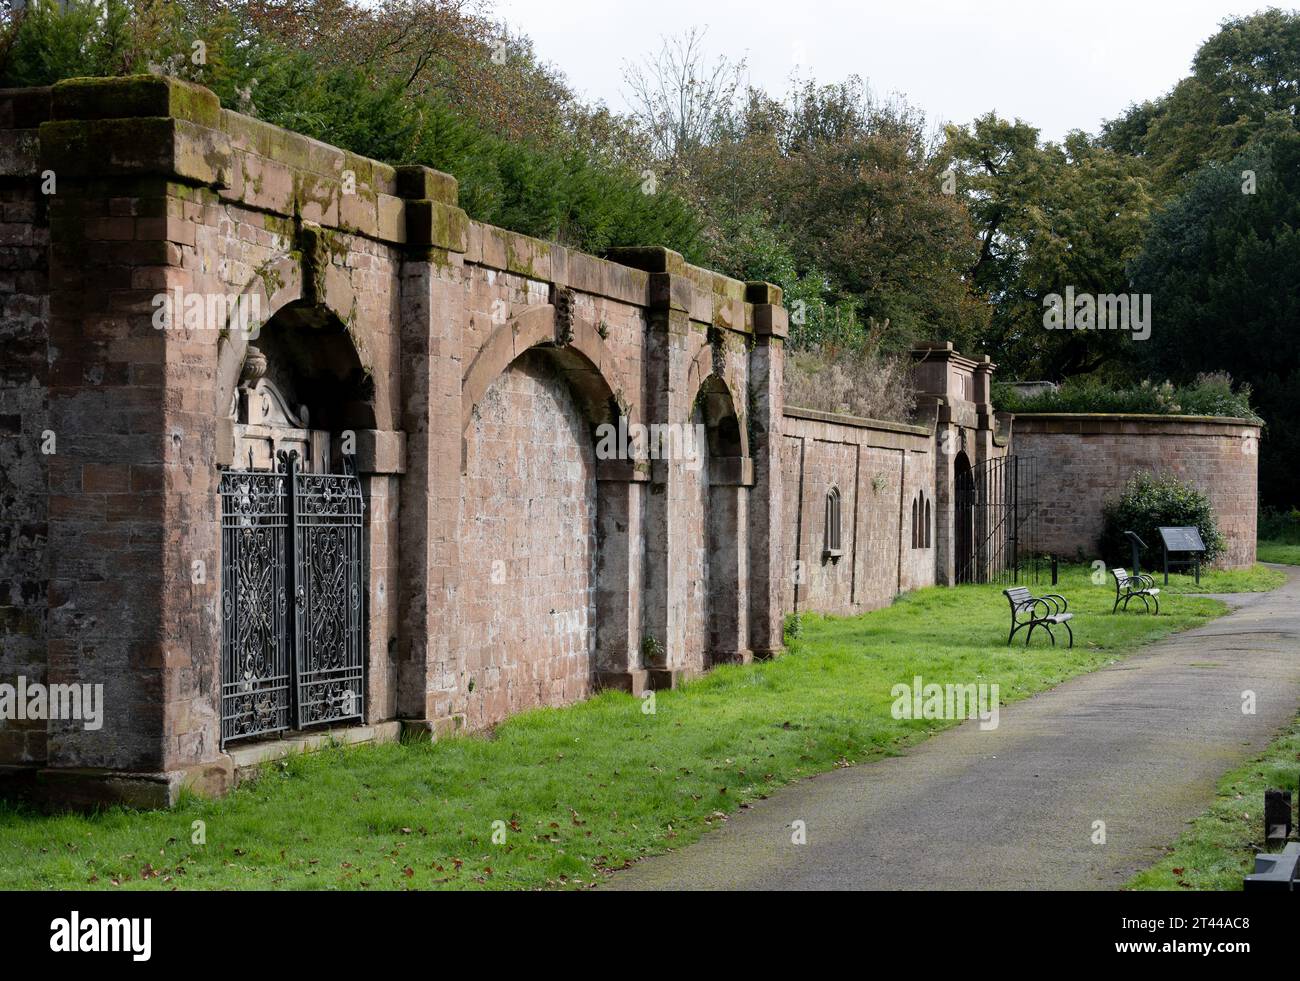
1257,579
584,789
1284,552
1218,848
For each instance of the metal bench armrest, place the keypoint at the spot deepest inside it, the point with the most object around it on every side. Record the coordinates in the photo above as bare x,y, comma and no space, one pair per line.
1059,602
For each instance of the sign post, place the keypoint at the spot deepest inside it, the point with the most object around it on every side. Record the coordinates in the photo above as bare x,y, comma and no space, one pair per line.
1187,542
1137,545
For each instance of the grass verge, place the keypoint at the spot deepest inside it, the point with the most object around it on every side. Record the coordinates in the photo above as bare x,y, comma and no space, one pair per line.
1284,552
1218,848
1257,579
573,793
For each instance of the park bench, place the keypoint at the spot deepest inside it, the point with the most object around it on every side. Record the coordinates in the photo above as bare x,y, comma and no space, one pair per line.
1136,586
1028,610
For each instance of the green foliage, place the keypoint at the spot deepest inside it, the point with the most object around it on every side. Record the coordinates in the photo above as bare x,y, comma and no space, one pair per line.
1245,83
1208,395
752,247
1049,216
551,190
1223,268
1149,502
838,199
1279,525
792,628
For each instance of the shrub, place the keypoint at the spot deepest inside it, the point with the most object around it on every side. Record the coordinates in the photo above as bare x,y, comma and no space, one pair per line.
1149,502
557,190
861,382
1209,395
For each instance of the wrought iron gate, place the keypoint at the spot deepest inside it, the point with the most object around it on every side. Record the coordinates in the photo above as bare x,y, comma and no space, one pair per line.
292,599
996,522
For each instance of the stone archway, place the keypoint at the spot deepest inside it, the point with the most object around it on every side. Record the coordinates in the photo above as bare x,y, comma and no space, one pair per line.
718,579
293,565
301,387
963,484
547,530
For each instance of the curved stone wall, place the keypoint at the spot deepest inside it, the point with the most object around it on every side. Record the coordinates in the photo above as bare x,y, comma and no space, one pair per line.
1083,459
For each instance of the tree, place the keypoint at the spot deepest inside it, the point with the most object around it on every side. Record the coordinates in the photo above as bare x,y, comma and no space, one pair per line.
1224,270
1245,81
679,99
851,190
405,81
1049,216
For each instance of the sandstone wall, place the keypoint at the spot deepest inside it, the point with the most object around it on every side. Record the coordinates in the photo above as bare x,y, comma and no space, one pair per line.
879,469
24,421
508,566
526,609
1083,460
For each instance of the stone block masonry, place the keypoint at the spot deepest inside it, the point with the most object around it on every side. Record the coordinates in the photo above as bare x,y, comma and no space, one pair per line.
463,370
1085,460
463,373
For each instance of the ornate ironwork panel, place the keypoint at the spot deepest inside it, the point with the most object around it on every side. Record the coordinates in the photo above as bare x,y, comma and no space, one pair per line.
292,599
255,652
328,591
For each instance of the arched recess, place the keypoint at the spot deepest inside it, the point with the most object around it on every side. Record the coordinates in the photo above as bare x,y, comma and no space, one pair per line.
583,357
302,384
533,361
963,518
705,386
718,576
276,284
293,541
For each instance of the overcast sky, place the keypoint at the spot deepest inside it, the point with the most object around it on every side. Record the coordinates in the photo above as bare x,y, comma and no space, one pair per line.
1058,64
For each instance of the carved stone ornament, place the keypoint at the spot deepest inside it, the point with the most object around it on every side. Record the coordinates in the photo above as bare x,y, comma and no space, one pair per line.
564,310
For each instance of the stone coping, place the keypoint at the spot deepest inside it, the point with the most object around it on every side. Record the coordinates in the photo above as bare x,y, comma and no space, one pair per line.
149,126
857,422
1137,416
1129,424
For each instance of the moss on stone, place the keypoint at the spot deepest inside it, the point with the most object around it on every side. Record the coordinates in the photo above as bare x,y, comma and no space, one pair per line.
134,95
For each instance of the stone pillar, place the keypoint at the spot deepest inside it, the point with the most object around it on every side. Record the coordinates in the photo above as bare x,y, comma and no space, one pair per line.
24,415
133,511
620,556
730,480
380,460
985,423
767,564
666,528
953,392
430,663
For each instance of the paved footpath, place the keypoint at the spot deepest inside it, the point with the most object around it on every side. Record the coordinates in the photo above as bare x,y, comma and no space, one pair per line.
1140,745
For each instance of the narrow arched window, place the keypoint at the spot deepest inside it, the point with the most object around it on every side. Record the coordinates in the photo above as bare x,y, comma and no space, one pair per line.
833,548
916,524
928,525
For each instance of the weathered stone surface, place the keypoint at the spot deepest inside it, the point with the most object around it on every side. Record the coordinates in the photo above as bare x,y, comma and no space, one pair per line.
1085,460
516,554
